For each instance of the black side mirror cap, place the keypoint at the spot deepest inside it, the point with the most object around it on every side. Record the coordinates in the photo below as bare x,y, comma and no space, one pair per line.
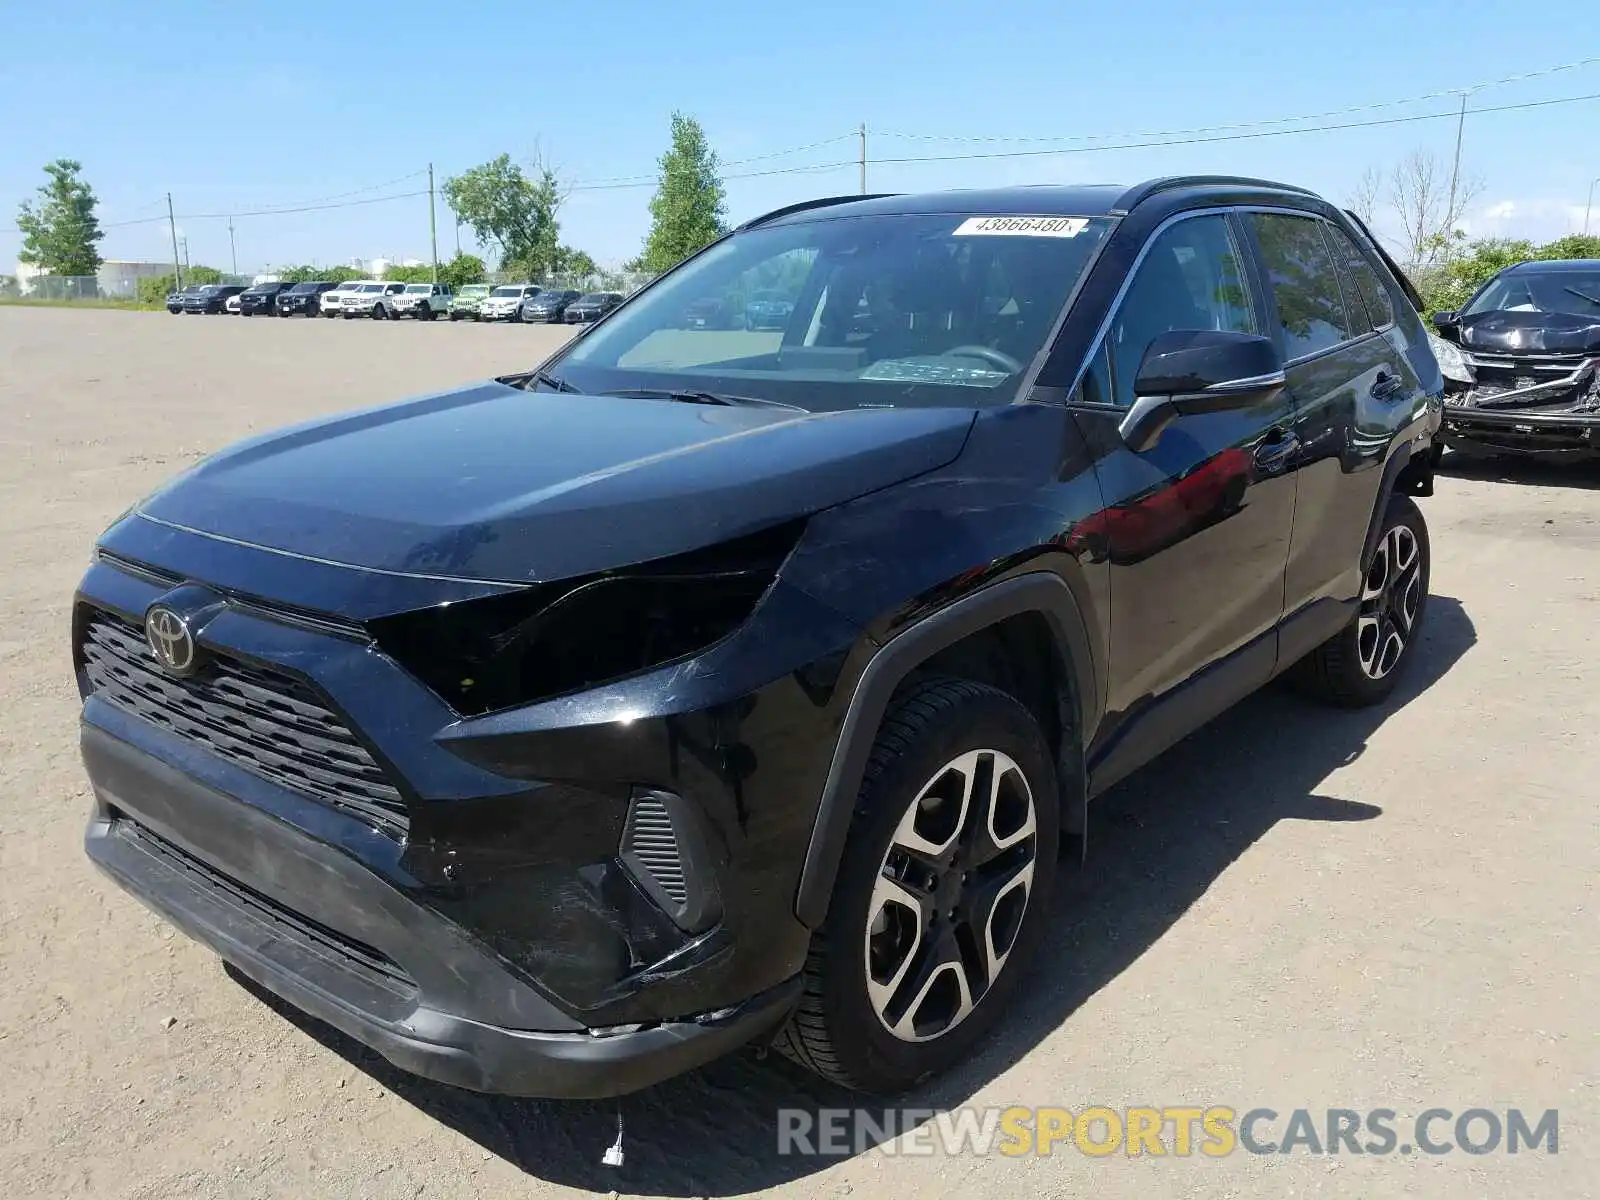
1187,372
1448,323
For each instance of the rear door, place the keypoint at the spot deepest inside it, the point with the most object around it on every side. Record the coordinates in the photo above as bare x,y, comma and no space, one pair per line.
1196,529
1351,387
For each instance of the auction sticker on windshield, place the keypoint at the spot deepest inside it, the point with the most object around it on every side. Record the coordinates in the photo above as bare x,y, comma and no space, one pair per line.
1022,227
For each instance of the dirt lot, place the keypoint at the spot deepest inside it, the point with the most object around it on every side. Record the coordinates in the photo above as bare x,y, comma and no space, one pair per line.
1294,909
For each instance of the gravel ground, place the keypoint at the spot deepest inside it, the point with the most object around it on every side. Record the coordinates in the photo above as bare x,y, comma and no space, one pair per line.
1295,909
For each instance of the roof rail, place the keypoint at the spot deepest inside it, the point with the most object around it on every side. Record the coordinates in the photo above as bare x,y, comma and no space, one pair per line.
1141,192
822,202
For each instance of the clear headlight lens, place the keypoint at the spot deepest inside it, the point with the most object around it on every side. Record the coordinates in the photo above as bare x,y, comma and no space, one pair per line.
1451,360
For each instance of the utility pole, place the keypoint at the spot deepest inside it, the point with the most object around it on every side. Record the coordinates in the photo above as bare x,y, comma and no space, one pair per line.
172,228
1455,170
185,242
1588,205
233,250
863,134
433,229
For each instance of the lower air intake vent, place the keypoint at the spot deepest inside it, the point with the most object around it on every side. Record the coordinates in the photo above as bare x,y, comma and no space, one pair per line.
663,849
649,837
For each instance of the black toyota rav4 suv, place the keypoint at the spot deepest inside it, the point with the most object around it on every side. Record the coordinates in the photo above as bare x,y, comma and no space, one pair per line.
706,687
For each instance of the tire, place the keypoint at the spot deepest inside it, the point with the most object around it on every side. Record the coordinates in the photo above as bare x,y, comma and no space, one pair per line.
1362,663
379,313
874,1028
1435,455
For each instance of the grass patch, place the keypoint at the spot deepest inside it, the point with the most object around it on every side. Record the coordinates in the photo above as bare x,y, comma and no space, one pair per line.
100,302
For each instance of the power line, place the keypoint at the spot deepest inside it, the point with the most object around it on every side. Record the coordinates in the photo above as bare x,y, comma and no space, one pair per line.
651,181
1231,137
642,180
1204,129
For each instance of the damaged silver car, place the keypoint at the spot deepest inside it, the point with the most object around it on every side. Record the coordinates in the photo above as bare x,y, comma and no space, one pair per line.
1522,362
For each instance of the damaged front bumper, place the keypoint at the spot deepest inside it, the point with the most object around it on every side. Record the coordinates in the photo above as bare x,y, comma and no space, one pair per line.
1544,408
553,900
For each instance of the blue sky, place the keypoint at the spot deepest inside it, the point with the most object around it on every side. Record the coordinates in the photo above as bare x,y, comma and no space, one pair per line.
235,107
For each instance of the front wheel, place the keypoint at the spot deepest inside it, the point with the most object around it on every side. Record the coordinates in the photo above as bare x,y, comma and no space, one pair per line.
1362,663
942,891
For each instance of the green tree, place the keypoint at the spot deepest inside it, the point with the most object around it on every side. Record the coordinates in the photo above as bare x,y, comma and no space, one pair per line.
512,211
401,274
1574,245
1451,285
311,274
575,262
61,233
689,208
460,270
154,290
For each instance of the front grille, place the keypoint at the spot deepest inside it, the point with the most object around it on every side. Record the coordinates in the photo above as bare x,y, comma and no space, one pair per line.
255,718
366,960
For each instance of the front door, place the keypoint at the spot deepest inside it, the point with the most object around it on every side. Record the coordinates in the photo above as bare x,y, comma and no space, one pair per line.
1196,529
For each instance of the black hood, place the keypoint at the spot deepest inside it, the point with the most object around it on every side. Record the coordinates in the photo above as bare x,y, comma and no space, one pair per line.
1510,331
495,483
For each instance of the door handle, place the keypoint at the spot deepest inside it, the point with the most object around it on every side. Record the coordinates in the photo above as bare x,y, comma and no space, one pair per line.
1275,453
1386,386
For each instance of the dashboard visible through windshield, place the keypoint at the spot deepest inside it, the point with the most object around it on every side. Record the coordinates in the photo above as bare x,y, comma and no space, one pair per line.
849,311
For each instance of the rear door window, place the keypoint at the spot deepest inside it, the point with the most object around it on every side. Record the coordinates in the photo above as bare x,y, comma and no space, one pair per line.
1368,284
1305,284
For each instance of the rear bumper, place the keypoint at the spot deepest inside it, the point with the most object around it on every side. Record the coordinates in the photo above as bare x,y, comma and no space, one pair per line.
311,924
1538,434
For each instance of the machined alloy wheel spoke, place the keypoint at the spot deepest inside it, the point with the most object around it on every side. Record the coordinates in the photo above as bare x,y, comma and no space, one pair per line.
1391,595
950,895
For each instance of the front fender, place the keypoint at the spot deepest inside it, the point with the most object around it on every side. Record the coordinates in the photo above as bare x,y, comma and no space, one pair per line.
1039,592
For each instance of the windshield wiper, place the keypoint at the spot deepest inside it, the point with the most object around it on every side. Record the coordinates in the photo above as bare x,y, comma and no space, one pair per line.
554,382
695,396
1582,295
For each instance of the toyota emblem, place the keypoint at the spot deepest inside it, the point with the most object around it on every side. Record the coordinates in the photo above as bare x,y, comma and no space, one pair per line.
170,640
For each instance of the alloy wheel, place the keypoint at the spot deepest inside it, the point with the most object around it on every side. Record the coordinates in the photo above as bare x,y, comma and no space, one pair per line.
1391,595
950,895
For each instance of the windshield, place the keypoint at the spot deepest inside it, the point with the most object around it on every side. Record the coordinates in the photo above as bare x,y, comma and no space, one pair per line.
506,291
262,289
419,288
884,310
1541,291
475,289
305,287
370,287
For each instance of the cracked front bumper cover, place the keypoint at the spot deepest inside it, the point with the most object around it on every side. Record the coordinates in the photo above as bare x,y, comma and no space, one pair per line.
241,882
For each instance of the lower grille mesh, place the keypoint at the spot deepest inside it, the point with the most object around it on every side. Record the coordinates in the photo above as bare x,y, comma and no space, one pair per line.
266,722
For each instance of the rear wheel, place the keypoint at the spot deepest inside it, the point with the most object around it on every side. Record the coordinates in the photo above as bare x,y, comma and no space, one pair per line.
941,893
1362,663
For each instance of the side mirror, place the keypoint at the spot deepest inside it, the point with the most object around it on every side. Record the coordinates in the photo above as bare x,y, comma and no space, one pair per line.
1187,372
1448,324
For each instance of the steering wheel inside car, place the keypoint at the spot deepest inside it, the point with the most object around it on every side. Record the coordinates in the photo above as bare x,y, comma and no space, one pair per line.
995,358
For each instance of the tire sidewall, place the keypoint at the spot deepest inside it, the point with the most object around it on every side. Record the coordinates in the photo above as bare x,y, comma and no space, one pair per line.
988,719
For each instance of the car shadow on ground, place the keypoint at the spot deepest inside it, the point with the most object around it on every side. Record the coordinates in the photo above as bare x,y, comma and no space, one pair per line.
1157,843
1514,468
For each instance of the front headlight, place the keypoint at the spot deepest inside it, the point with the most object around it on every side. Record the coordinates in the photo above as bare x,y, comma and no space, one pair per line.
1452,362
550,639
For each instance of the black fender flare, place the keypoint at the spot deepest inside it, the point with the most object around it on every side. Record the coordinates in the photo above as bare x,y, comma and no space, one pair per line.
1039,592
1399,462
